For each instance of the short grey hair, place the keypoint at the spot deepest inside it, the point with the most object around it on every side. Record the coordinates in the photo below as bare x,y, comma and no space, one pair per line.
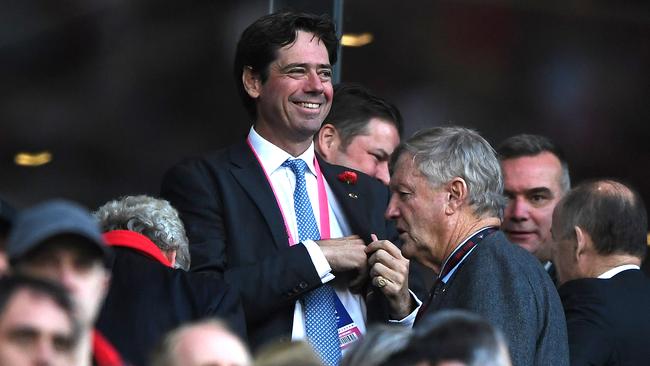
444,153
152,217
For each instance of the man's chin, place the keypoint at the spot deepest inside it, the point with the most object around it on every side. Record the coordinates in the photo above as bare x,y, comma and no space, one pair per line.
408,248
530,247
528,241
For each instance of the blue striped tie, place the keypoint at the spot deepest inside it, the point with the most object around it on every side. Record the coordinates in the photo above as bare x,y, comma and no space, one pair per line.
320,309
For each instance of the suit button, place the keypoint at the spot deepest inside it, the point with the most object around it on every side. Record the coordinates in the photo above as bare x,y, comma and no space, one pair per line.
303,285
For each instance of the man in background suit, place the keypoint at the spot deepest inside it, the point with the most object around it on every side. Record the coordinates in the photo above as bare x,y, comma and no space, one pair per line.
240,208
447,202
599,230
535,177
360,132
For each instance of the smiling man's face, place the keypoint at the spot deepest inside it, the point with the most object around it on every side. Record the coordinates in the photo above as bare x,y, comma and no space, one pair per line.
297,95
532,185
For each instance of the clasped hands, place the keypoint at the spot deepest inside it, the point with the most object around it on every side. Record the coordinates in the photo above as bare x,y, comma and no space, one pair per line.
380,260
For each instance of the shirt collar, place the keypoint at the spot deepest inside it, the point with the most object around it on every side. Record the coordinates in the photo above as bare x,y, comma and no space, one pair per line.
136,241
271,157
616,270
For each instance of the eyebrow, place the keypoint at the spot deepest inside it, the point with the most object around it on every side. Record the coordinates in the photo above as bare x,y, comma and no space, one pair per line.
305,65
539,190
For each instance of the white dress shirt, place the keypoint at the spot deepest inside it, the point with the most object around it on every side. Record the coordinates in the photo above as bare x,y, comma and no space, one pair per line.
616,270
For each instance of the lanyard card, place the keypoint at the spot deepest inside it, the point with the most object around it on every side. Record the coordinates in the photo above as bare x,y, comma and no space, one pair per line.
348,330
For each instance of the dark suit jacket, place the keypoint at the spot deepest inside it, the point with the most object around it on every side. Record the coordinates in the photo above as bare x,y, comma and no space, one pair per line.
509,287
236,230
147,299
608,319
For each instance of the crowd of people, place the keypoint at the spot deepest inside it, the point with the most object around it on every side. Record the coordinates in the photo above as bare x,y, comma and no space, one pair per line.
321,239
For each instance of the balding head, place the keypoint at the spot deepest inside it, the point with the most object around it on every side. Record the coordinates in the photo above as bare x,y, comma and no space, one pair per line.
597,226
204,343
611,212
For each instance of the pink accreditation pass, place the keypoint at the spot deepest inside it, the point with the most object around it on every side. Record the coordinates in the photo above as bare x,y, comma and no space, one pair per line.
348,330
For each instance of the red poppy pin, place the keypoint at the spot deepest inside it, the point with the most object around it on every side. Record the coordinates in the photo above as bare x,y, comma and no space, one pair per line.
348,177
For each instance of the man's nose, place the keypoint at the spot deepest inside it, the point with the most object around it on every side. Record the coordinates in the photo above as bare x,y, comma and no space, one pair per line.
392,212
518,209
314,83
44,353
66,277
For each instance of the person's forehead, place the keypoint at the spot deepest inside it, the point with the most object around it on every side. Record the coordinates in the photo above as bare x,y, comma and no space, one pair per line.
404,167
406,172
30,309
382,126
306,48
539,170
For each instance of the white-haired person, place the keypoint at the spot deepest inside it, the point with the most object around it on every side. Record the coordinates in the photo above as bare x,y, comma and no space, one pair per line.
148,296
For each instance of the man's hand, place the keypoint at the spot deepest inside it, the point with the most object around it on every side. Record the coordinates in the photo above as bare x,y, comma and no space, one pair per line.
389,271
347,254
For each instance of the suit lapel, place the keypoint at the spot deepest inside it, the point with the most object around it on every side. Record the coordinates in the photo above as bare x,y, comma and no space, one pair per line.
354,203
249,174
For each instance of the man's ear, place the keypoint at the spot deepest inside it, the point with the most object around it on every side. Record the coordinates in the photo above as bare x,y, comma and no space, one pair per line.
171,256
327,140
252,82
457,194
583,240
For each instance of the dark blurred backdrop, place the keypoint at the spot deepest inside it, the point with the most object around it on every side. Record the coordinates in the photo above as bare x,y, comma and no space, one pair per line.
119,90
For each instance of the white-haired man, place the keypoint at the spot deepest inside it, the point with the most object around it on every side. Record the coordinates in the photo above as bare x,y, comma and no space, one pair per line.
447,203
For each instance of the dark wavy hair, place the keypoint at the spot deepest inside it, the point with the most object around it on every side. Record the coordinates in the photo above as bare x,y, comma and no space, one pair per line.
259,43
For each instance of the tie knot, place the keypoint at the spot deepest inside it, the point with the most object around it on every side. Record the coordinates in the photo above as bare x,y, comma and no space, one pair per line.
298,166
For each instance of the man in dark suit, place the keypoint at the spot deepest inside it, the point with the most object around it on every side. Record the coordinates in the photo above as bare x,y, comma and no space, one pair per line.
599,230
360,132
447,202
535,177
245,207
147,297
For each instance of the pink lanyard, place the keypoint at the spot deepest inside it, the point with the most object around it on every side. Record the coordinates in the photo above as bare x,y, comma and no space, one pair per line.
322,199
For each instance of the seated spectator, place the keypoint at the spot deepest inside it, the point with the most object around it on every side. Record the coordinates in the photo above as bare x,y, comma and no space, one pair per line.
37,326
207,342
377,346
453,338
147,298
599,230
7,214
154,218
60,241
